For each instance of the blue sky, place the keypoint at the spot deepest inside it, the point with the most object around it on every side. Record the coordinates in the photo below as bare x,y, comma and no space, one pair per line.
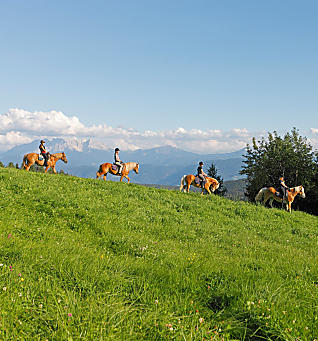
161,65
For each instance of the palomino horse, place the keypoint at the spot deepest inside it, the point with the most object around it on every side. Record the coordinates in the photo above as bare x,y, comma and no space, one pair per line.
270,193
188,180
108,168
31,158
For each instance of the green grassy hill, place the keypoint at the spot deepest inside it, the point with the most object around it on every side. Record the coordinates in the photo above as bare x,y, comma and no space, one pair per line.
84,259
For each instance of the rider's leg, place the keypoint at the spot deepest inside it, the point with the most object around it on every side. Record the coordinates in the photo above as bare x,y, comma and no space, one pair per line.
119,167
202,178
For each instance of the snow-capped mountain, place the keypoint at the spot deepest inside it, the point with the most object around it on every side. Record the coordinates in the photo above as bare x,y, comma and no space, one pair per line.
163,165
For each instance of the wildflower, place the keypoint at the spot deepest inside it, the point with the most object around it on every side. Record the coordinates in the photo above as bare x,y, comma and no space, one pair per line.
196,310
59,300
9,235
19,274
1,264
156,301
4,288
169,325
69,314
20,294
201,319
284,312
40,306
21,279
209,287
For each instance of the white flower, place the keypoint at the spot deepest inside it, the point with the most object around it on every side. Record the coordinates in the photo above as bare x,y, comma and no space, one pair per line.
4,289
1,264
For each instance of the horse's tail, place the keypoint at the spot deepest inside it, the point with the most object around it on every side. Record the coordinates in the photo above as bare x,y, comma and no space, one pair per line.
182,183
25,158
260,195
99,172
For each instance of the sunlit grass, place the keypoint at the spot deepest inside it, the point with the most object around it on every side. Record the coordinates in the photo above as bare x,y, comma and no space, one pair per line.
85,259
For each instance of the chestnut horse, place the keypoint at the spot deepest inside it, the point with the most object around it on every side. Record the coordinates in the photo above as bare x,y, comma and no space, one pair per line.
107,168
188,180
32,158
270,193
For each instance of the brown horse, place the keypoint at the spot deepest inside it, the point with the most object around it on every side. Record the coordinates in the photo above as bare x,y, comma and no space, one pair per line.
188,180
32,158
108,168
270,193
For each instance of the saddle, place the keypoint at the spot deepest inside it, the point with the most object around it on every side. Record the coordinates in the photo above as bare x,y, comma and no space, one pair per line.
280,194
115,167
197,180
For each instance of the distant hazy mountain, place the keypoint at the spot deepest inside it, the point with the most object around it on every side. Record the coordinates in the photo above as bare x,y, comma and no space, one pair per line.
163,165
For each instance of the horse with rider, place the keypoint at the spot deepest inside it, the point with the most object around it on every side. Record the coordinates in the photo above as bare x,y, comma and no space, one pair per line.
284,195
118,168
43,159
201,180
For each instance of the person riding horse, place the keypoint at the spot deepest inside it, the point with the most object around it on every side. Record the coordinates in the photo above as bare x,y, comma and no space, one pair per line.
283,187
118,162
201,175
44,153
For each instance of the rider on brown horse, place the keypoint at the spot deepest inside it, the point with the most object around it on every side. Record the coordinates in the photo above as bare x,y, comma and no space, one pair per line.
44,153
201,175
283,187
118,162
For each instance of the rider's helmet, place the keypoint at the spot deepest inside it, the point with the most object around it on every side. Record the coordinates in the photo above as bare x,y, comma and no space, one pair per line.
116,149
200,163
42,141
281,178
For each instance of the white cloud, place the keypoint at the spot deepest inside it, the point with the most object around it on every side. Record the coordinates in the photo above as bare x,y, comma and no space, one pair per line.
11,139
19,126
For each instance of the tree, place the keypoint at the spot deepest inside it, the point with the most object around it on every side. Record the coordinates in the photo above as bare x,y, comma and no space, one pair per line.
10,165
290,156
212,172
1,164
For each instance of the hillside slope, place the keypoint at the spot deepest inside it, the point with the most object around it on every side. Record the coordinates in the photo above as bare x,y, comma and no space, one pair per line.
85,259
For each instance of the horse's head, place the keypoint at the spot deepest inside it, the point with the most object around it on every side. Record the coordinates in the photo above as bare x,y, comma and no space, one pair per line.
214,184
63,158
302,192
136,168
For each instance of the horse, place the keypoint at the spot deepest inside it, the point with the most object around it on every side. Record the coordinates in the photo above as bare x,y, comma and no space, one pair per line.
111,168
188,180
31,158
270,193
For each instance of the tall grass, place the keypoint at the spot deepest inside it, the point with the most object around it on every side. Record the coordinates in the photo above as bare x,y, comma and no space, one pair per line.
85,259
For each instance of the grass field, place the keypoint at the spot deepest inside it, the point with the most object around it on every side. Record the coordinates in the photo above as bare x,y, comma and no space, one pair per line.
82,259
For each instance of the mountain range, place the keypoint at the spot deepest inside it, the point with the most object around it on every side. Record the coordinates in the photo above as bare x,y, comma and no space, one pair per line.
162,165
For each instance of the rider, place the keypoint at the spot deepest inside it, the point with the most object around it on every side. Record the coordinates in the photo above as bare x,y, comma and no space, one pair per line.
283,187
44,153
118,162
201,175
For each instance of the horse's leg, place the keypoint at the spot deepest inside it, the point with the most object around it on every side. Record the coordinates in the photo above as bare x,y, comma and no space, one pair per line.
126,176
207,187
271,202
188,187
288,206
54,170
46,169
